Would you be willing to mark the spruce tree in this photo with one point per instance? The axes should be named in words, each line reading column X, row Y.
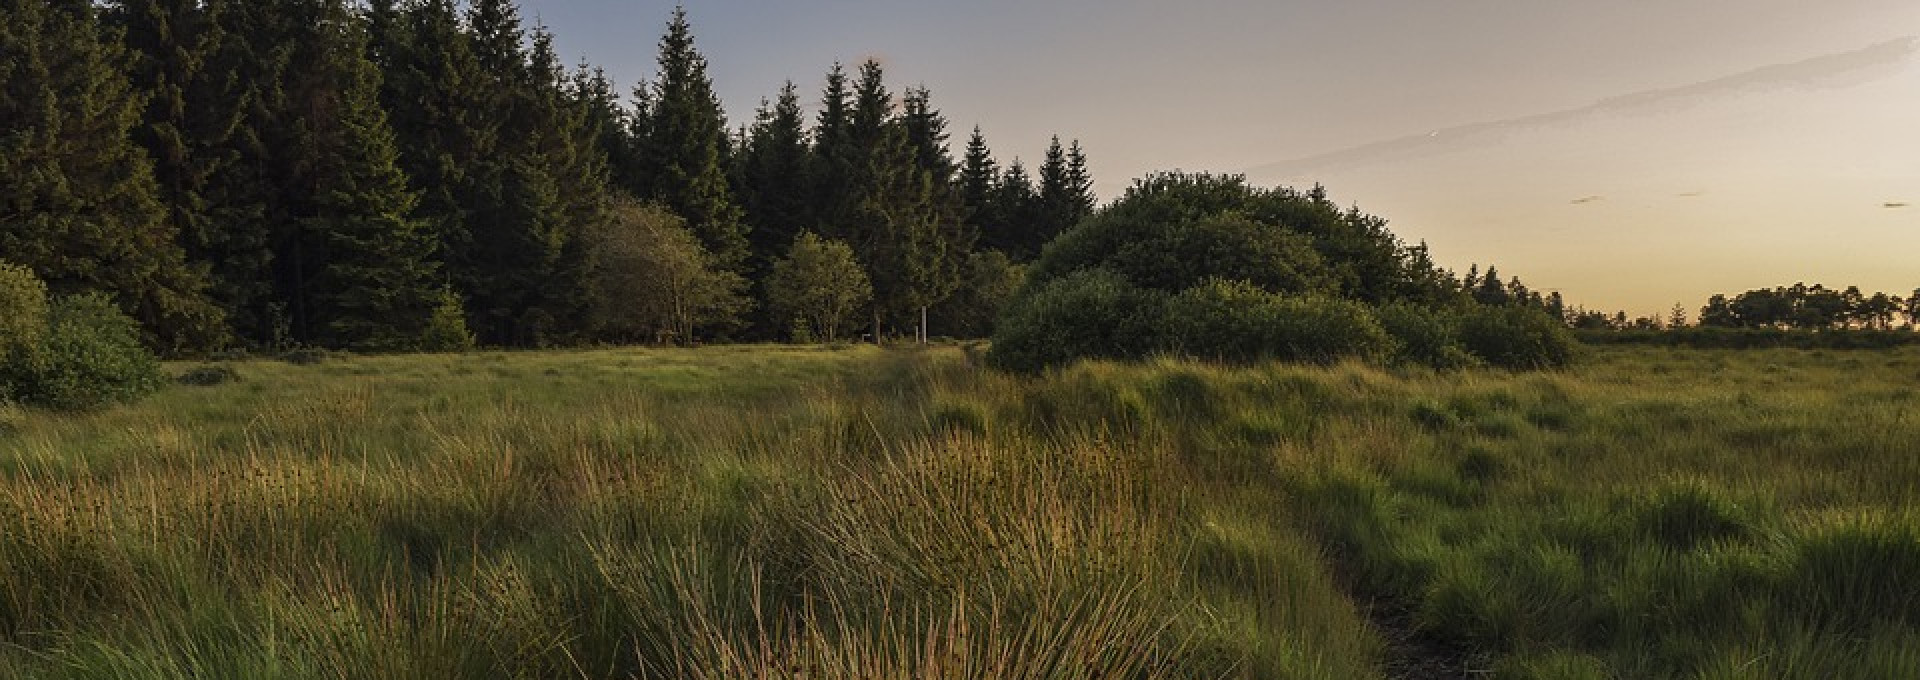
column 1066, row 194
column 774, row 177
column 249, row 71
column 377, row 285
column 979, row 175
column 77, row 196
column 437, row 101
column 686, row 142
column 1016, row 207
column 904, row 229
column 569, row 137
column 926, row 132
column 834, row 158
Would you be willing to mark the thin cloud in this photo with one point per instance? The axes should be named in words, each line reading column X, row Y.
column 1842, row 69
column 1588, row 199
column 1692, row 194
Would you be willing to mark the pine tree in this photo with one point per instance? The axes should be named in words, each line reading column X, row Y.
column 249, row 72
column 1492, row 291
column 774, row 177
column 77, row 196
column 1016, row 207
column 436, row 98
column 926, row 132
column 979, row 175
column 835, row 158
column 1066, row 194
column 904, row 230
column 686, row 141
column 378, row 285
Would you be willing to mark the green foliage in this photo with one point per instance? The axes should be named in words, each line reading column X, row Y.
column 1141, row 240
column 1094, row 314
column 686, row 140
column 90, row 356
column 818, row 288
column 446, row 330
column 77, row 196
column 1271, row 274
column 988, row 281
column 654, row 282
column 1516, row 337
column 774, row 169
column 23, row 313
column 1236, row 321
column 1425, row 336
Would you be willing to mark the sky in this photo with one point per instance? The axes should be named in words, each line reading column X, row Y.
column 1631, row 155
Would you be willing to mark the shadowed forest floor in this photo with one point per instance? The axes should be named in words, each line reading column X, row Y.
column 811, row 512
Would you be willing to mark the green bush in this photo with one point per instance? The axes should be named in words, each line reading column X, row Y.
column 1235, row 321
column 1516, row 337
column 23, row 320
column 447, row 330
column 1091, row 314
column 1426, row 336
column 89, row 356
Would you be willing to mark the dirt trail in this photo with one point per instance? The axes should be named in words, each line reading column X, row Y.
column 1415, row 655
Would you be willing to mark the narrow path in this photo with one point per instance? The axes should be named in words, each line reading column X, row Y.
column 1413, row 654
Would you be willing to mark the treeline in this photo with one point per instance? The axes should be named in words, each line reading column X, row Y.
column 1813, row 307
column 1798, row 316
column 424, row 174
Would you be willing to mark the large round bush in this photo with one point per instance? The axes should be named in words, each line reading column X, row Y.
column 1091, row 314
column 1207, row 266
column 1517, row 337
column 1237, row 321
column 89, row 356
column 1426, row 336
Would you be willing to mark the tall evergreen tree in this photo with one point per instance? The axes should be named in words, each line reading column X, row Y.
column 686, row 142
column 979, row 175
column 926, row 132
column 189, row 127
column 835, row 158
column 1016, row 211
column 903, row 229
column 77, row 196
column 379, row 284
column 433, row 92
column 1066, row 194
column 774, row 184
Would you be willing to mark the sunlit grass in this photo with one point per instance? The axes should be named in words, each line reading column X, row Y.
column 812, row 512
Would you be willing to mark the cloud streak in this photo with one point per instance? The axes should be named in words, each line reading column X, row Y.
column 1833, row 70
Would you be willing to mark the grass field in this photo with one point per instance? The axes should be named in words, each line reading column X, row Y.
column 865, row 513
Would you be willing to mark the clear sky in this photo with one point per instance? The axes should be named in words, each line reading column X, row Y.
column 1628, row 154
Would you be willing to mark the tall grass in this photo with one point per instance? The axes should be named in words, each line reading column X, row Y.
column 794, row 512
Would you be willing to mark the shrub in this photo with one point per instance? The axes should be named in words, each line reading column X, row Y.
column 1154, row 246
column 1516, row 337
column 90, row 356
column 1426, row 336
column 1235, row 321
column 23, row 320
column 1089, row 314
column 447, row 330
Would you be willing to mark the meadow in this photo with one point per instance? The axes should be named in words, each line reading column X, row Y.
column 856, row 512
